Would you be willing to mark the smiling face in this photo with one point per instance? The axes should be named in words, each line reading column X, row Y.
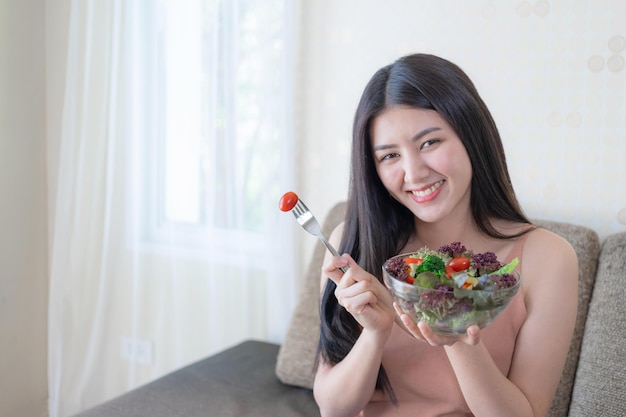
column 422, row 162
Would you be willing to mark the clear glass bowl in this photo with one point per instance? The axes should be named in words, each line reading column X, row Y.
column 450, row 311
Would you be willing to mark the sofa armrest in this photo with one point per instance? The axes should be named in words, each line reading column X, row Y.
column 239, row 381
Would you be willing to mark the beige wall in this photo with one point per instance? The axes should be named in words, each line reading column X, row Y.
column 23, row 283
column 552, row 72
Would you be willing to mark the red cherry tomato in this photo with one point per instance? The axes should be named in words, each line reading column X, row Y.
column 450, row 272
column 459, row 264
column 288, row 201
column 416, row 261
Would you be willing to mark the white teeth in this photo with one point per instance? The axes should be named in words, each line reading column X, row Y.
column 424, row 193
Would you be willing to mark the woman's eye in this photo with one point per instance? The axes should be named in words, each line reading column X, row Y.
column 428, row 143
column 388, row 156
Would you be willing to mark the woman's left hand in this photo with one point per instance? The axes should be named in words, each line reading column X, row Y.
column 422, row 331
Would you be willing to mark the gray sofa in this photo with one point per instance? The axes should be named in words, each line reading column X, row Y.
column 257, row 378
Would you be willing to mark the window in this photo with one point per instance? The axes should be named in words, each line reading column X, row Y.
column 216, row 133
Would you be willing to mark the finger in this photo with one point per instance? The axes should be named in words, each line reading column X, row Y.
column 407, row 323
column 398, row 310
column 355, row 274
column 347, row 263
column 405, row 319
column 473, row 335
column 358, row 303
column 430, row 336
column 349, row 287
column 332, row 268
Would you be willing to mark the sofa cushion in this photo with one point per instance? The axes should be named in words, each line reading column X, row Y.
column 600, row 385
column 296, row 357
column 586, row 243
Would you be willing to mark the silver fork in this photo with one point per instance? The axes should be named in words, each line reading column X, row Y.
column 307, row 220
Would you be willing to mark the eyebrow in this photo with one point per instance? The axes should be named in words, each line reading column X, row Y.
column 413, row 139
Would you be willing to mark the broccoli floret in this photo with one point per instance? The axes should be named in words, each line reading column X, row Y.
column 432, row 264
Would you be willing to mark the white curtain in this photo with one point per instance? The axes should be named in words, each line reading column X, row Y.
column 166, row 241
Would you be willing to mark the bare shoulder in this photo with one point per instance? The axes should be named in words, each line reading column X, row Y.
column 549, row 263
column 543, row 245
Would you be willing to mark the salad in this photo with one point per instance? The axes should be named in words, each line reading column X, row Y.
column 452, row 288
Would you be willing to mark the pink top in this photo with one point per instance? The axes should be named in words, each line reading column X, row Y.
column 421, row 375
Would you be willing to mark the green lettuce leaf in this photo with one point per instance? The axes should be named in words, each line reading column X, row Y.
column 507, row 269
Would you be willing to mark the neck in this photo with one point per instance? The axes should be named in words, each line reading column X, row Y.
column 437, row 234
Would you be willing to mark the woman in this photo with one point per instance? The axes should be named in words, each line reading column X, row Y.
column 428, row 169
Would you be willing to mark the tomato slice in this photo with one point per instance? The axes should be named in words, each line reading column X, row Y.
column 288, row 201
column 459, row 264
column 416, row 261
column 410, row 280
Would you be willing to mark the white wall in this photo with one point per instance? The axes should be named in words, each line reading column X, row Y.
column 552, row 72
column 23, row 282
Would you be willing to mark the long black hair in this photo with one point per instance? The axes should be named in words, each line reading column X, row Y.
column 376, row 226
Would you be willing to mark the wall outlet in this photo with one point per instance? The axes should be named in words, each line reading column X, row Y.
column 137, row 350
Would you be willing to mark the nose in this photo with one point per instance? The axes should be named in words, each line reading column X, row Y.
column 415, row 168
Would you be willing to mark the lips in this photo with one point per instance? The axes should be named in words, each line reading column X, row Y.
column 427, row 191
